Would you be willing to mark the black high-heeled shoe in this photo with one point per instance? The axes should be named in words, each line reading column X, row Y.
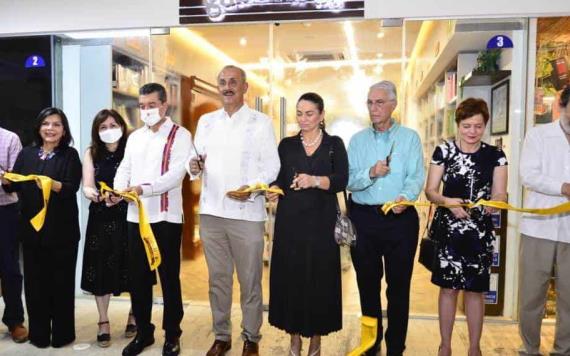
column 103, row 340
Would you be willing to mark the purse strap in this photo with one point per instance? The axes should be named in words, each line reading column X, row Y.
column 344, row 195
column 428, row 221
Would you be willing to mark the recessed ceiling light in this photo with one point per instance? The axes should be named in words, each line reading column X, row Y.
column 379, row 55
column 243, row 41
column 380, row 34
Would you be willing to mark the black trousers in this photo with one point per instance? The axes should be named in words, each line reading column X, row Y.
column 10, row 275
column 385, row 244
column 50, row 293
column 141, row 278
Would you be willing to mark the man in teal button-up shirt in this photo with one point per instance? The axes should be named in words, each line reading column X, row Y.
column 385, row 164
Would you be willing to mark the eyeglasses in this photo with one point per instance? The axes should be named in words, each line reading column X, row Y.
column 378, row 103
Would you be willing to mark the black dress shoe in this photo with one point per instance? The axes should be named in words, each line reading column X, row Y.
column 171, row 347
column 137, row 346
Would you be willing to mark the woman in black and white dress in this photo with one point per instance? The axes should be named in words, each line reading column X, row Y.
column 470, row 170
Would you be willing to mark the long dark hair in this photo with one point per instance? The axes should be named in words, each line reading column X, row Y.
column 66, row 139
column 97, row 146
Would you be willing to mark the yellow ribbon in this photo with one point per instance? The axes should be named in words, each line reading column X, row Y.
column 258, row 187
column 45, row 182
column 558, row 209
column 147, row 236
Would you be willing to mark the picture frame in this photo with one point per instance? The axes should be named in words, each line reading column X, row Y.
column 500, row 109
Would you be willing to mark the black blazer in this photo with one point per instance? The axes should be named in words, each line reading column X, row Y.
column 61, row 226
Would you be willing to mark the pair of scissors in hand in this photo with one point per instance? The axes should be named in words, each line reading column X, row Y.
column 389, row 157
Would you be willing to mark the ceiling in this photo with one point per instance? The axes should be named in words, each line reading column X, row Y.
column 320, row 56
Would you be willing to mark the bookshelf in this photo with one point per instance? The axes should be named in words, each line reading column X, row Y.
column 129, row 73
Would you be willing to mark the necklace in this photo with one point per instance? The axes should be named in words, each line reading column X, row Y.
column 310, row 144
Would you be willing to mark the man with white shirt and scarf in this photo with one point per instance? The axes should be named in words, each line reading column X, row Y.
column 235, row 148
column 154, row 167
column 545, row 240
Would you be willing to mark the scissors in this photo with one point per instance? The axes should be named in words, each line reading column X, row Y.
column 389, row 157
column 200, row 160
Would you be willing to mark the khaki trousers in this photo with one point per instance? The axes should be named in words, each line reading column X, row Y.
column 228, row 243
column 538, row 258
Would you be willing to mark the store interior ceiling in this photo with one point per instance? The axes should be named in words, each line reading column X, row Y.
column 338, row 59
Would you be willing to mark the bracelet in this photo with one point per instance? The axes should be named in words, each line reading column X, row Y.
column 317, row 182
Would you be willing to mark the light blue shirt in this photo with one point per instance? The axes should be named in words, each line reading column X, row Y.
column 406, row 176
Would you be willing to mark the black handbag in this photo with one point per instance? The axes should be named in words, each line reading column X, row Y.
column 428, row 246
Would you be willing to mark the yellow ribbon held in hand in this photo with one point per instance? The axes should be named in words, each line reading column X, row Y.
column 147, row 236
column 255, row 188
column 558, row 209
column 45, row 182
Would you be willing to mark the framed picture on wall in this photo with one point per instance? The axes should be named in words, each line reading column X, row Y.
column 500, row 109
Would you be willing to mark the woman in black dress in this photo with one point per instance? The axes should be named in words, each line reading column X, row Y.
column 104, row 255
column 50, row 254
column 305, row 281
column 470, row 170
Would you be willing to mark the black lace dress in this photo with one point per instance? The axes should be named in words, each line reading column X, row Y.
column 105, row 252
column 465, row 246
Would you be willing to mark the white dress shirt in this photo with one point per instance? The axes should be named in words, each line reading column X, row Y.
column 239, row 150
column 158, row 168
column 545, row 166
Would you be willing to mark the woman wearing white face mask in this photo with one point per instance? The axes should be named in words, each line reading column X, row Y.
column 104, row 260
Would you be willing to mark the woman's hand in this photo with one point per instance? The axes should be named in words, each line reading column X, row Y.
column 459, row 212
column 92, row 194
column 303, row 181
column 272, row 197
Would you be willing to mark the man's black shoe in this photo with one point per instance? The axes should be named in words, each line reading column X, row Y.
column 137, row 346
column 171, row 347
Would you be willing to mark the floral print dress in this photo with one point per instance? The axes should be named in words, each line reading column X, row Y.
column 464, row 246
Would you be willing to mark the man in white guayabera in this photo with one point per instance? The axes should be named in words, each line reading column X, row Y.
column 235, row 147
column 545, row 240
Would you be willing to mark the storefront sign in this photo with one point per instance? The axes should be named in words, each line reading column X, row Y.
column 500, row 41
column 35, row 61
column 212, row 11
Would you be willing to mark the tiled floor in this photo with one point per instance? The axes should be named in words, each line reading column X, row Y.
column 499, row 337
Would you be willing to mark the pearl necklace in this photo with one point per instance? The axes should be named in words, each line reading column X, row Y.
column 310, row 144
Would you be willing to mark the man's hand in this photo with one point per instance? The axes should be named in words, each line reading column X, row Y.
column 240, row 197
column 197, row 164
column 380, row 169
column 272, row 197
column 2, row 179
column 400, row 208
column 566, row 190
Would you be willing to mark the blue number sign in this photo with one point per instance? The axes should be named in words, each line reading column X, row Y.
column 35, row 61
column 500, row 41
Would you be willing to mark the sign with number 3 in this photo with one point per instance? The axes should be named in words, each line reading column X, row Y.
column 500, row 41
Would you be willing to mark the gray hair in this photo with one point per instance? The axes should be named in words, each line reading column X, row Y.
column 388, row 87
column 231, row 66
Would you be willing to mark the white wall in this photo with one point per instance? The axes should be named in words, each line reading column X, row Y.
column 457, row 9
column 34, row 16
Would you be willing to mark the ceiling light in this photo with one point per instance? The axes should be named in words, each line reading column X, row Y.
column 243, row 41
column 380, row 35
column 143, row 32
column 379, row 55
